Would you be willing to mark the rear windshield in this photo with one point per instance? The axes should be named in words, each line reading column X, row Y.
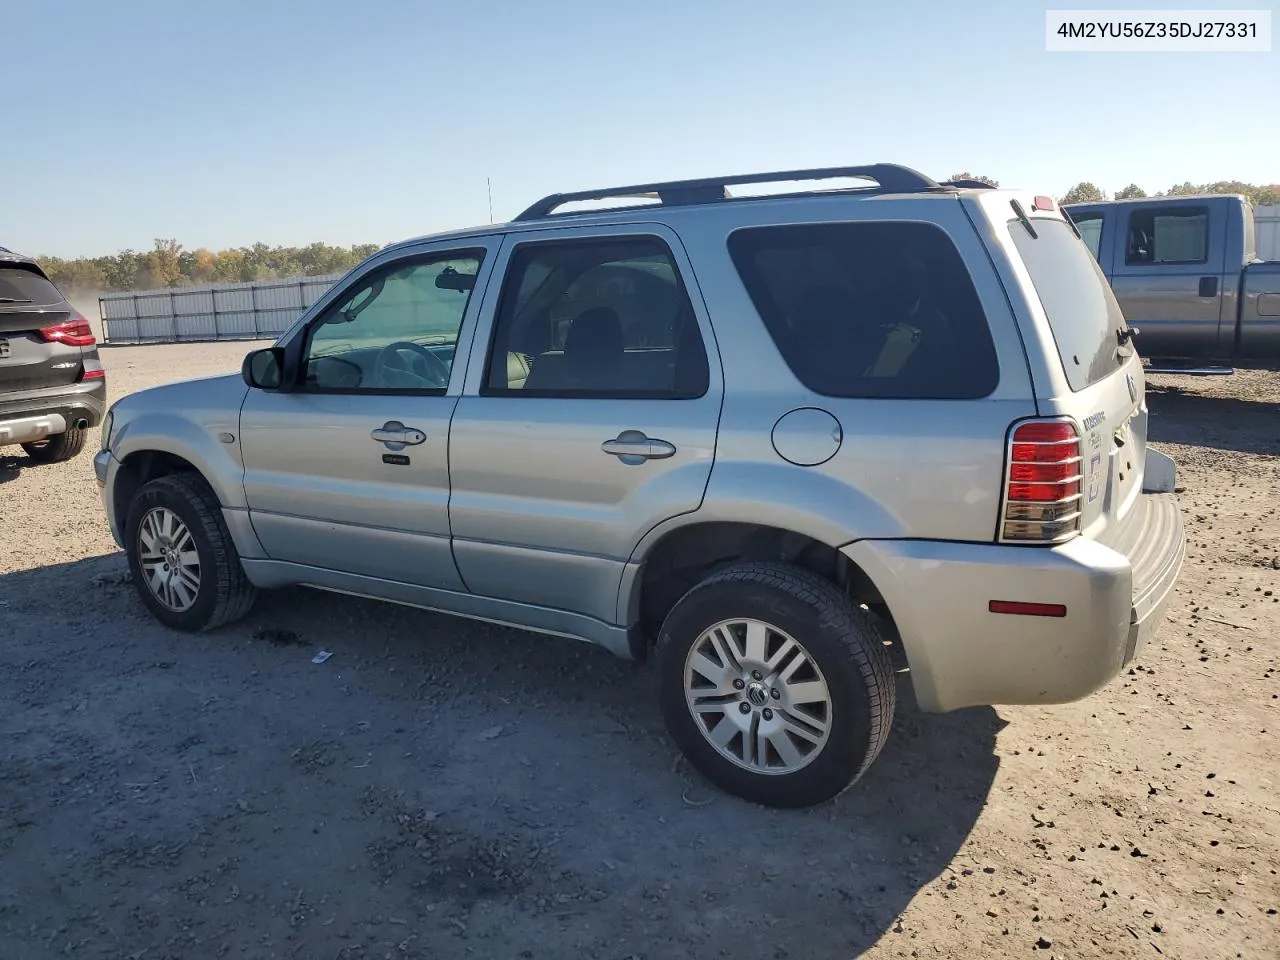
column 18, row 285
column 874, row 309
column 1082, row 310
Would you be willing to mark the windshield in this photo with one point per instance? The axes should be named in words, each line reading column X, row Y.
column 1086, row 320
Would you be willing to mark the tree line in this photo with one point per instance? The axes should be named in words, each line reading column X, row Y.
column 171, row 265
column 1260, row 194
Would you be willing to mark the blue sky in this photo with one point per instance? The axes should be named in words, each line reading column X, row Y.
column 230, row 122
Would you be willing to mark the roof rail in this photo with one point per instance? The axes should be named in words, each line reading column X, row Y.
column 890, row 177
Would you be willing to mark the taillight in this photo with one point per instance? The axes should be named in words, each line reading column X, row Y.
column 1042, row 495
column 76, row 332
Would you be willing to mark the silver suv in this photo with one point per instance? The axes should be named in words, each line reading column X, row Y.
column 766, row 436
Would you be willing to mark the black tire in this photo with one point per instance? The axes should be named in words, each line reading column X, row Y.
column 59, row 447
column 225, row 593
column 841, row 638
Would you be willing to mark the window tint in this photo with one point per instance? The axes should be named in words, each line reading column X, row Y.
column 19, row 285
column 596, row 317
column 1090, row 227
column 1179, row 235
column 1076, row 297
column 394, row 329
column 870, row 309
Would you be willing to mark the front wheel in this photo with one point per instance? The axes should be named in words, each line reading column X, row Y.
column 775, row 686
column 184, row 563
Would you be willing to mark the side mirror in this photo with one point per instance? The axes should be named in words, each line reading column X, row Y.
column 264, row 369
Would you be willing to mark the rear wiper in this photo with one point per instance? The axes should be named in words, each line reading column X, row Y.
column 1125, row 334
column 1024, row 219
column 14, row 300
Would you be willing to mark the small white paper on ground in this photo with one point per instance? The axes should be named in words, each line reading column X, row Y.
column 321, row 657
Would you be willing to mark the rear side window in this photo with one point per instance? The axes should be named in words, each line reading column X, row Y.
column 18, row 285
column 870, row 309
column 1178, row 235
column 1076, row 297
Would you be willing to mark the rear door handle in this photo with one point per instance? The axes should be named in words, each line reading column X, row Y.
column 632, row 446
column 397, row 436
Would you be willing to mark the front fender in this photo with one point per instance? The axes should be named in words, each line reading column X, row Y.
column 198, row 421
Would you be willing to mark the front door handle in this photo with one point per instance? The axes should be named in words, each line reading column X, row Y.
column 1208, row 286
column 397, row 436
column 632, row 446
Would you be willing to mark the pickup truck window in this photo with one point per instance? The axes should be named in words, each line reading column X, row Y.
column 1168, row 235
column 1082, row 311
column 1090, row 227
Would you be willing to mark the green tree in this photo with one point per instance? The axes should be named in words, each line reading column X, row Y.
column 122, row 270
column 163, row 264
column 1083, row 191
column 974, row 176
column 1130, row 192
column 1261, row 194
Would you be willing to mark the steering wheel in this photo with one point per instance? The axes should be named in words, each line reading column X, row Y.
column 390, row 360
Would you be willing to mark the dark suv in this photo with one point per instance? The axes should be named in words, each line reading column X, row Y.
column 52, row 385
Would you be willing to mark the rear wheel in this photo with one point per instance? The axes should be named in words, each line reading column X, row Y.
column 184, row 563
column 56, row 449
column 775, row 686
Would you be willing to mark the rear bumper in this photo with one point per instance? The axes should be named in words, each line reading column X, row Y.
column 1115, row 591
column 31, row 429
column 36, row 415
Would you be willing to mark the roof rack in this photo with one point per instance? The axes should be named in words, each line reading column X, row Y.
column 890, row 177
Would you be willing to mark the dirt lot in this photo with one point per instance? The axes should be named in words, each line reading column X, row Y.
column 447, row 789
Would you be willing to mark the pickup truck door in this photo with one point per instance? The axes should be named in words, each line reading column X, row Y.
column 1168, row 274
column 348, row 471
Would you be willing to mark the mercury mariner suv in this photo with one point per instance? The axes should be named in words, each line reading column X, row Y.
column 764, row 437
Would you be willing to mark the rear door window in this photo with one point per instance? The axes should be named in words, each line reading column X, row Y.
column 19, row 285
column 1164, row 235
column 596, row 317
column 1082, row 310
column 875, row 309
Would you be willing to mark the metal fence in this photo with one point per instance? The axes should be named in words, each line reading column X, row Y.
column 225, row 311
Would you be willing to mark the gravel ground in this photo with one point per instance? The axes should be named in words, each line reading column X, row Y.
column 445, row 789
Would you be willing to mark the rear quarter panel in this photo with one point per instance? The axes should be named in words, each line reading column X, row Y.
column 1114, row 403
column 903, row 468
column 1260, row 311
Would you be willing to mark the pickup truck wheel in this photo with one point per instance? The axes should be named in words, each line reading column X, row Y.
column 59, row 447
column 184, row 563
column 775, row 686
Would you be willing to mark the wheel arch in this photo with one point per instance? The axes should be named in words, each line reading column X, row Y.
column 686, row 553
column 145, row 455
column 140, row 468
